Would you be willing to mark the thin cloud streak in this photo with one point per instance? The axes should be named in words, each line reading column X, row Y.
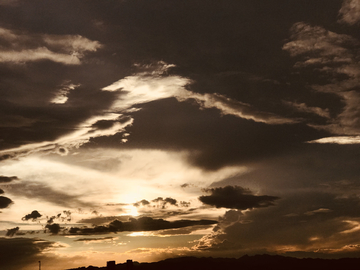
column 72, row 48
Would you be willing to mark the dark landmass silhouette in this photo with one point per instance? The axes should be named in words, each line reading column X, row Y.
column 256, row 262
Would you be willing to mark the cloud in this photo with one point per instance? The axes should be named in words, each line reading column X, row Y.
column 206, row 108
column 320, row 210
column 141, row 203
column 36, row 55
column 201, row 134
column 350, row 12
column 331, row 56
column 153, row 85
column 85, row 132
column 7, row 179
column 236, row 197
column 196, row 229
column 64, row 216
column 183, row 68
column 53, row 228
column 33, row 215
column 140, row 224
column 20, row 253
column 43, row 192
column 326, row 44
column 302, row 107
column 62, row 95
column 228, row 106
column 338, row 140
column 96, row 240
column 309, row 216
column 160, row 202
column 12, row 232
column 17, row 247
column 103, row 219
column 5, row 202
column 64, row 49
column 161, row 207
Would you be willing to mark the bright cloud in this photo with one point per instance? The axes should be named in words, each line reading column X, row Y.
column 85, row 131
column 61, row 96
column 339, row 140
column 64, row 49
column 83, row 182
column 149, row 86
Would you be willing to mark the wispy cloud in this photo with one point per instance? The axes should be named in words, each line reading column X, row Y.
column 334, row 56
column 151, row 85
column 350, row 12
column 64, row 49
column 83, row 133
column 302, row 107
column 339, row 140
column 45, row 193
column 62, row 95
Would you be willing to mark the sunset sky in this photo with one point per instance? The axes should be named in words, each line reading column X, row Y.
column 151, row 129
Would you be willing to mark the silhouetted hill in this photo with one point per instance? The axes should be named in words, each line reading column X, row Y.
column 257, row 262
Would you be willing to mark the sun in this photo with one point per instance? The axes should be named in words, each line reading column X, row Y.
column 132, row 211
column 129, row 208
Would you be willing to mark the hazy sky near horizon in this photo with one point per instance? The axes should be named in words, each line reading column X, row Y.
column 151, row 129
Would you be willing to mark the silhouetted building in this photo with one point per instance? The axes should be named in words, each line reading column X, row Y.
column 129, row 264
column 110, row 265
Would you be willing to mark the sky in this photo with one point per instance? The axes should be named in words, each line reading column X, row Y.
column 152, row 129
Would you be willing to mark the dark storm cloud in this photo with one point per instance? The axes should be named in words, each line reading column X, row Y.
column 7, row 179
column 330, row 168
column 50, row 121
column 12, row 232
column 140, row 224
column 5, row 202
column 236, row 197
column 43, row 192
column 236, row 63
column 247, row 78
column 214, row 140
column 33, row 215
column 17, row 253
column 42, row 92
